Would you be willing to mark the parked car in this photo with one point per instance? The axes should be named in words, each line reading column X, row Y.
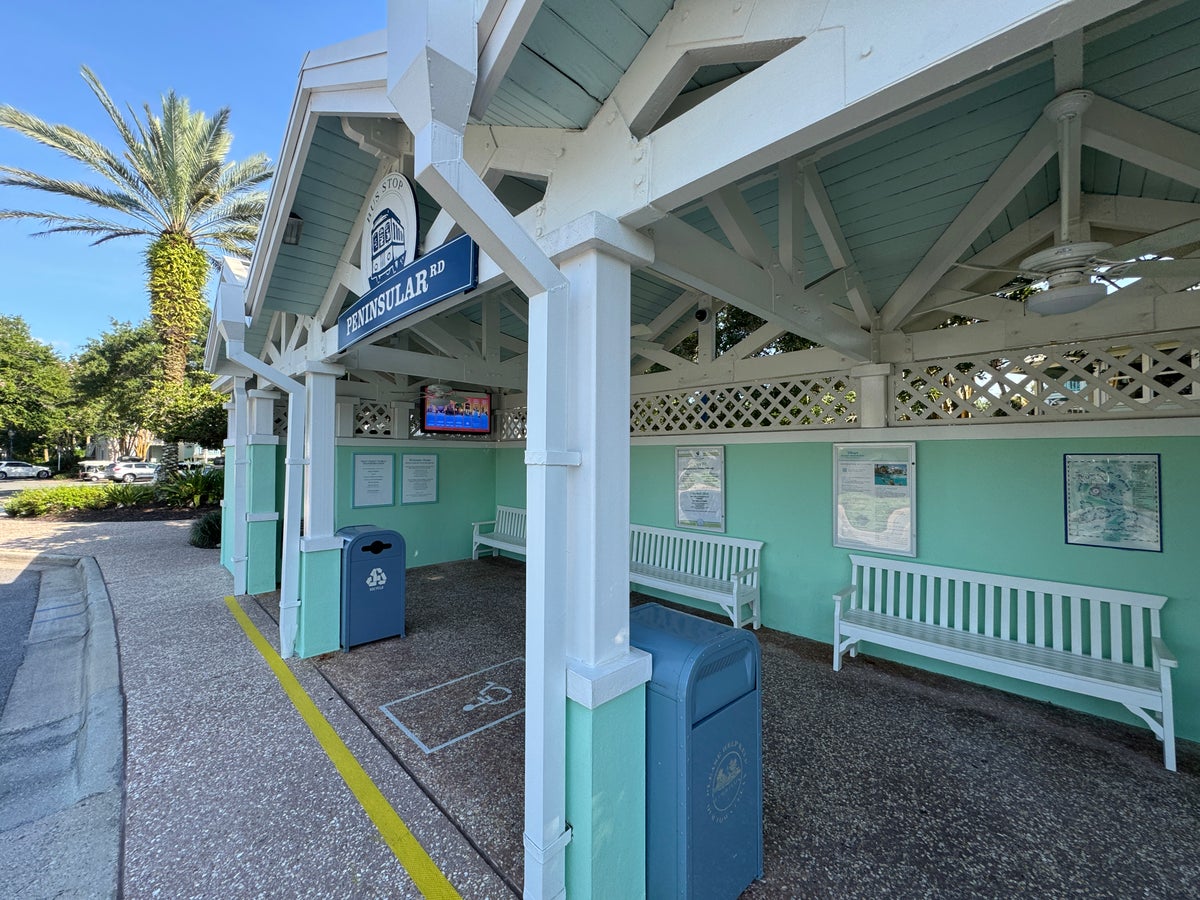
column 12, row 468
column 130, row 471
column 93, row 469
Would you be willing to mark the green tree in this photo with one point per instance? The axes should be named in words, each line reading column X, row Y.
column 113, row 378
column 170, row 182
column 34, row 390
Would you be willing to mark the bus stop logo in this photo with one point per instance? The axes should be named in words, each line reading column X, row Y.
column 377, row 579
column 726, row 780
column 390, row 231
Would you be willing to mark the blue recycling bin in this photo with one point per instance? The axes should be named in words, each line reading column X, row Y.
column 373, row 570
column 703, row 755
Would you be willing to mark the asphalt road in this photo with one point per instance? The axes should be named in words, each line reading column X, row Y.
column 18, row 597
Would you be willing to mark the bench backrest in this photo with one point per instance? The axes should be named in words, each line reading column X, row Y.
column 1103, row 623
column 510, row 520
column 706, row 555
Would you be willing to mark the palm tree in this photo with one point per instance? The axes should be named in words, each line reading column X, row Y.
column 170, row 183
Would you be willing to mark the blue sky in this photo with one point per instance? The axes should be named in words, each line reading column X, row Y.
column 245, row 55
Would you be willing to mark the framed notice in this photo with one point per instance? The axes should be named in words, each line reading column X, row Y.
column 1113, row 500
column 874, row 497
column 374, row 483
column 700, row 488
column 419, row 478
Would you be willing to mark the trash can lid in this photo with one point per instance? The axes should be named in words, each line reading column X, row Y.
column 680, row 643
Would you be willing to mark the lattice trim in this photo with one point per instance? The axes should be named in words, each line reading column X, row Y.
column 787, row 405
column 1142, row 378
column 372, row 419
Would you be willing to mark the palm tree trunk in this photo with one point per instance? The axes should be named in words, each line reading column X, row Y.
column 178, row 272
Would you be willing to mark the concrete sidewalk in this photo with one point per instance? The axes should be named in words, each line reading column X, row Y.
column 226, row 793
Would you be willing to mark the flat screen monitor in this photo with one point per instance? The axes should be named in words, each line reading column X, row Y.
column 458, row 414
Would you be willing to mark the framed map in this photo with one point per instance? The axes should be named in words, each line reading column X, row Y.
column 1113, row 500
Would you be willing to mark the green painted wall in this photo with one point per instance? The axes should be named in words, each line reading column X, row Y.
column 991, row 505
column 433, row 532
column 320, row 626
column 606, row 798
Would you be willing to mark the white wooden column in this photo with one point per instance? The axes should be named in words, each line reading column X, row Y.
column 596, row 254
column 320, row 451
column 873, row 399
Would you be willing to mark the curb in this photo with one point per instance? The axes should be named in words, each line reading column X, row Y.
column 62, row 735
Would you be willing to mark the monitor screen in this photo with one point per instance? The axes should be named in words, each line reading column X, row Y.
column 458, row 414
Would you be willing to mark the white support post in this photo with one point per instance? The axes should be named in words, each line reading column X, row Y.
column 873, row 398
column 597, row 418
column 343, row 417
column 320, row 451
column 241, row 465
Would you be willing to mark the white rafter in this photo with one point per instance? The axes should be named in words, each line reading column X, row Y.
column 1032, row 152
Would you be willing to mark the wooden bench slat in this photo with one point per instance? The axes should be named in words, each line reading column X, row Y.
column 713, row 568
column 1102, row 642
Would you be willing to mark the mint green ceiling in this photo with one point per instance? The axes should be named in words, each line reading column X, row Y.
column 894, row 191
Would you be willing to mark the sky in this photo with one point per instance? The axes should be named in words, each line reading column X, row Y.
column 245, row 55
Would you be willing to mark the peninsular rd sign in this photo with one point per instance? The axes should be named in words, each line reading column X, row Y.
column 399, row 285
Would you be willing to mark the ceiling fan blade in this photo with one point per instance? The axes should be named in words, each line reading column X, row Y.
column 1007, row 270
column 1163, row 268
column 1159, row 242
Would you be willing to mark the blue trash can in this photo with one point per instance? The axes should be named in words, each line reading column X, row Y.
column 373, row 570
column 703, row 755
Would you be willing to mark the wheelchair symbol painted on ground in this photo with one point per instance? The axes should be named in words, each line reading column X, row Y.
column 492, row 694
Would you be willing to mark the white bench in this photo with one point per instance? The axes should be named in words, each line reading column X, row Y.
column 505, row 532
column 709, row 567
column 1101, row 642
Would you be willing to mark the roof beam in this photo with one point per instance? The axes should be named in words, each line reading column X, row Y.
column 688, row 256
column 1032, row 152
column 846, row 88
column 425, row 365
column 501, row 29
column 829, row 230
column 1143, row 140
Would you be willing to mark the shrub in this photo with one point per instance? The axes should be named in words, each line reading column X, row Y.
column 120, row 495
column 45, row 501
column 206, row 531
column 194, row 488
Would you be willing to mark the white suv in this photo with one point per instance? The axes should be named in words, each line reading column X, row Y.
column 130, row 471
column 11, row 468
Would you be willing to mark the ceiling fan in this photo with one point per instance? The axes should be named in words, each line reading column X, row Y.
column 1078, row 274
column 439, row 392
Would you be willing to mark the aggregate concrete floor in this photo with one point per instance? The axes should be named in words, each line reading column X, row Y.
column 880, row 780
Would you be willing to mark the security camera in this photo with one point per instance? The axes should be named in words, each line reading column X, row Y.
column 702, row 315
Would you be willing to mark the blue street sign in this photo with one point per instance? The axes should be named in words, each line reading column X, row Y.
column 441, row 273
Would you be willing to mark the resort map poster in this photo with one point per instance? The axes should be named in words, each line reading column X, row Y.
column 700, row 488
column 1113, row 500
column 874, row 491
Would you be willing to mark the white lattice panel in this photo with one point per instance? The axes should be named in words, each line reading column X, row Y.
column 812, row 401
column 372, row 420
column 1147, row 377
column 279, row 421
column 511, row 424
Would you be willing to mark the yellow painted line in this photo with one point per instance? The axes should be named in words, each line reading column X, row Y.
column 424, row 872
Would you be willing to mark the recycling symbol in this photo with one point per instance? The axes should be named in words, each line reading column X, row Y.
column 377, row 578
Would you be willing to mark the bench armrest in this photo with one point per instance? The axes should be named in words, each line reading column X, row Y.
column 1165, row 657
column 737, row 576
column 475, row 525
column 850, row 592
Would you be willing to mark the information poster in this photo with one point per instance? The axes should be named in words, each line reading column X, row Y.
column 874, row 487
column 700, row 488
column 1113, row 500
column 373, row 479
column 419, row 478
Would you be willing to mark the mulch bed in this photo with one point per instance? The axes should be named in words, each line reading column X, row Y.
column 124, row 514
